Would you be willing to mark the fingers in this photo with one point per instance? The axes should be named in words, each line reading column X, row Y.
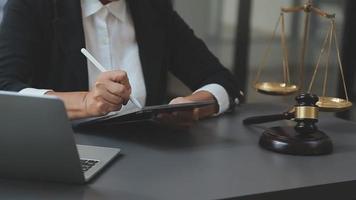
column 118, row 76
column 96, row 105
column 203, row 112
column 115, row 82
column 180, row 100
column 104, row 101
column 183, row 119
column 112, row 90
column 186, row 116
column 102, row 92
column 103, row 107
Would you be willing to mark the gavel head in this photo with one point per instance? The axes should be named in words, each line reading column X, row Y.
column 306, row 113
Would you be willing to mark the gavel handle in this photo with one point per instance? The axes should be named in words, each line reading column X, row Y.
column 267, row 118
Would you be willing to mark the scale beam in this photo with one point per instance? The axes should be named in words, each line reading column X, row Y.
column 308, row 8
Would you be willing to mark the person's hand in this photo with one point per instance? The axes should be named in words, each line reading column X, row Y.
column 180, row 119
column 112, row 90
column 186, row 119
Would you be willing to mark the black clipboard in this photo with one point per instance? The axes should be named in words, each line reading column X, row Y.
column 145, row 114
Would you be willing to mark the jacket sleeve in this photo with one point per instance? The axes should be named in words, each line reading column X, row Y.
column 19, row 44
column 192, row 62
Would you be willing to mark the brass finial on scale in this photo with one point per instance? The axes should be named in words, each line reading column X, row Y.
column 304, row 138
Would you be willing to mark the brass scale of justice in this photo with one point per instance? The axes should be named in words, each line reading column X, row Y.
column 305, row 138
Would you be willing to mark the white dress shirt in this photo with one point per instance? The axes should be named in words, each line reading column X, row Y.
column 110, row 38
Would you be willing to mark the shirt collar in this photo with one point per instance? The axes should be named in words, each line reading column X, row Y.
column 90, row 7
column 116, row 8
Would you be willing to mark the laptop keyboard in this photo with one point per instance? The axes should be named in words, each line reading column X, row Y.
column 87, row 164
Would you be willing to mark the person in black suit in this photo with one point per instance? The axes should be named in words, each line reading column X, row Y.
column 40, row 42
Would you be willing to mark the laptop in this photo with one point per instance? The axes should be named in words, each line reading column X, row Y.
column 37, row 142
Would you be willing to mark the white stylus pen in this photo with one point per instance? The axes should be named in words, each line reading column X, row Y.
column 102, row 69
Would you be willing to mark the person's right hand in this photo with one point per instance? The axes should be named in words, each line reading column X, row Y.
column 112, row 90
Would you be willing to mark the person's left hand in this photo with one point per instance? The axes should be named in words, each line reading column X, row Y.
column 180, row 119
column 186, row 119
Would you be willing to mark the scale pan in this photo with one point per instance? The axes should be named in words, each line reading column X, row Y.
column 332, row 104
column 273, row 88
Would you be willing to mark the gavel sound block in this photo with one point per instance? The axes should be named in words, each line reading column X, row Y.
column 303, row 139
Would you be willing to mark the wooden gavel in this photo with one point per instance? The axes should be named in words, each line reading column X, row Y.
column 305, row 113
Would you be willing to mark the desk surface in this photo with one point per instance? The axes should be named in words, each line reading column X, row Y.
column 219, row 158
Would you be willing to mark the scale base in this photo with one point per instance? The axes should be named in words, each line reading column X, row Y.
column 287, row 140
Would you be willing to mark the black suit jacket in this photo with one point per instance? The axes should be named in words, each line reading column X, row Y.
column 40, row 42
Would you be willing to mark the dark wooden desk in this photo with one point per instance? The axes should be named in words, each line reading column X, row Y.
column 219, row 158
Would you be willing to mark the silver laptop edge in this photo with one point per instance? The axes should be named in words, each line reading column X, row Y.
column 37, row 142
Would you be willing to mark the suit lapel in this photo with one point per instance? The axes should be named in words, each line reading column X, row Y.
column 150, row 38
column 68, row 31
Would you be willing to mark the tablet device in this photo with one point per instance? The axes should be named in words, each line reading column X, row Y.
column 148, row 113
